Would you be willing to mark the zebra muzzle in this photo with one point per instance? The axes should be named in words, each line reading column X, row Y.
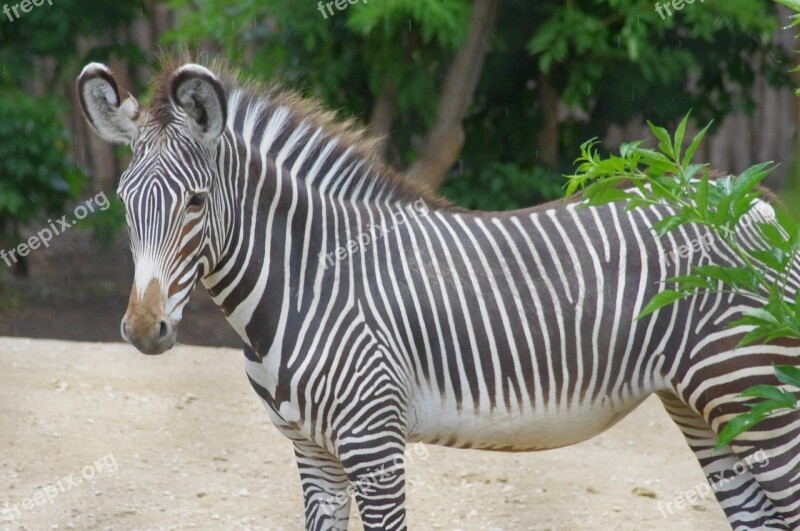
column 145, row 324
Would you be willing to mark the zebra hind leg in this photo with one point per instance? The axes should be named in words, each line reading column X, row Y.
column 325, row 488
column 772, row 449
column 734, row 485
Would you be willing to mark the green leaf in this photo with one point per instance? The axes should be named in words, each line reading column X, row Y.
column 663, row 138
column 701, row 197
column 772, row 258
column 736, row 426
column 797, row 305
column 794, row 5
column 692, row 169
column 636, row 202
column 742, row 204
column 608, row 195
column 738, row 277
column 659, row 301
column 572, row 187
column 627, row 149
column 748, row 179
column 687, row 156
column 667, row 223
column 678, row 140
column 753, row 175
column 687, row 283
column 767, row 407
column 757, row 334
column 762, row 314
column 773, row 235
column 723, row 216
column 788, row 224
column 650, row 157
column 788, row 374
column 776, row 396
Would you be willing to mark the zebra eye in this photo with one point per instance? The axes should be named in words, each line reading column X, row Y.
column 198, row 199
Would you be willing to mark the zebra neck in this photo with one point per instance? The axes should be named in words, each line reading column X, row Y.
column 292, row 194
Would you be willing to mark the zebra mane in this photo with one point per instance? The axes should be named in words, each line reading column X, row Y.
column 258, row 101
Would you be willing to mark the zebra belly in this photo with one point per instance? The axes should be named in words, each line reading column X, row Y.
column 522, row 431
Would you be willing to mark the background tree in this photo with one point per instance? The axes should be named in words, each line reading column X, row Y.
column 40, row 52
column 481, row 99
column 555, row 73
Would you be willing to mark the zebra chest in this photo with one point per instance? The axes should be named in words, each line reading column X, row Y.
column 284, row 411
column 289, row 409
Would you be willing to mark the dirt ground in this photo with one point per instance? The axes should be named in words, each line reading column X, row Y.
column 181, row 441
column 97, row 436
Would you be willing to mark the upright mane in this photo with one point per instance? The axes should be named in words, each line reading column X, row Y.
column 257, row 102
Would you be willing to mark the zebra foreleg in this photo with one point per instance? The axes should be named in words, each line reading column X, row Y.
column 325, row 488
column 732, row 481
column 378, row 482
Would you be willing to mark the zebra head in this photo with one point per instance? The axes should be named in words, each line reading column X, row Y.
column 168, row 189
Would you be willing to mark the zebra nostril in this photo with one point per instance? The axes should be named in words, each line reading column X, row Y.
column 163, row 330
column 123, row 330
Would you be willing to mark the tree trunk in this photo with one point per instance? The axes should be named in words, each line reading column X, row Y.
column 383, row 113
column 547, row 141
column 443, row 143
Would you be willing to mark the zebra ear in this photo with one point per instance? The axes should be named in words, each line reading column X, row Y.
column 112, row 118
column 200, row 95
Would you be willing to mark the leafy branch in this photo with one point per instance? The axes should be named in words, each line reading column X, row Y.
column 667, row 176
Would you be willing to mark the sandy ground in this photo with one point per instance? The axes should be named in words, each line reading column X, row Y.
column 97, row 436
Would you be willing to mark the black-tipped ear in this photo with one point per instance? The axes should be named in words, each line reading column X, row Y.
column 198, row 92
column 113, row 119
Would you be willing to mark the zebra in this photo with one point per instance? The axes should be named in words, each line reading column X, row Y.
column 506, row 331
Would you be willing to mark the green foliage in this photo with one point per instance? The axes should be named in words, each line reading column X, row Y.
column 503, row 186
column 53, row 32
column 39, row 54
column 345, row 59
column 443, row 24
column 36, row 173
column 590, row 49
column 595, row 49
column 349, row 58
column 667, row 176
column 773, row 400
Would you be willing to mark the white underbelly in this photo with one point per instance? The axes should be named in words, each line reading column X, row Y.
column 439, row 422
